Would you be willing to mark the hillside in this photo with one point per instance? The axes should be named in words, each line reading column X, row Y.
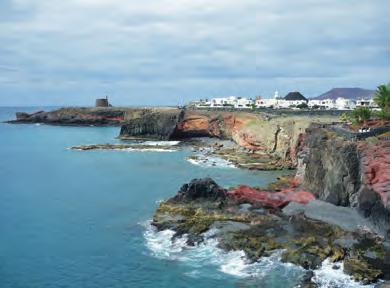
column 349, row 93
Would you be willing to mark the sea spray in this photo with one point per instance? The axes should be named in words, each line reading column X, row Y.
column 267, row 270
column 208, row 254
column 332, row 275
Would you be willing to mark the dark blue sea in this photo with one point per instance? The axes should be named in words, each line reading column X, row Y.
column 80, row 218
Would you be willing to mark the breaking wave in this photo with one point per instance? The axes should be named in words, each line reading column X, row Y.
column 146, row 150
column 210, row 161
column 206, row 254
column 332, row 275
column 161, row 143
column 235, row 263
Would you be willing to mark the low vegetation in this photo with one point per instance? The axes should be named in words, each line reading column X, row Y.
column 363, row 114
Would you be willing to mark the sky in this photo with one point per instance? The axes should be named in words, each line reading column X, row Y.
column 160, row 52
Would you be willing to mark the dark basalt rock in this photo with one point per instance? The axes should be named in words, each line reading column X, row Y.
column 74, row 116
column 332, row 168
column 203, row 189
column 347, row 173
column 22, row 116
column 202, row 205
column 156, row 125
column 306, row 281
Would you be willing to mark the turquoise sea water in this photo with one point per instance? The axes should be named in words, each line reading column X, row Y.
column 79, row 218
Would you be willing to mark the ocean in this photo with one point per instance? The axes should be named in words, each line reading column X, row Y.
column 81, row 218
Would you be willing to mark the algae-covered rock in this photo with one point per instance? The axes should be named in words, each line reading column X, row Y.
column 192, row 220
column 361, row 271
column 202, row 205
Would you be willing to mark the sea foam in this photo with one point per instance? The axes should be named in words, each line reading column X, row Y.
column 328, row 277
column 235, row 263
column 161, row 143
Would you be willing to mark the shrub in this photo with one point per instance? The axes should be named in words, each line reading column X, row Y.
column 361, row 114
column 302, row 106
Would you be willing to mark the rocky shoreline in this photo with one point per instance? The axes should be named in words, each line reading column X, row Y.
column 335, row 207
column 268, row 225
column 129, row 147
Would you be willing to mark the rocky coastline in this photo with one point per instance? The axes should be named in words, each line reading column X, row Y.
column 268, row 224
column 335, row 207
column 87, row 116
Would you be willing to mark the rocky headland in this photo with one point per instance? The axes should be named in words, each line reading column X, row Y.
column 85, row 116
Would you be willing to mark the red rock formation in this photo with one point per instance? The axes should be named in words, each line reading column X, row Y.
column 222, row 124
column 375, row 165
column 270, row 199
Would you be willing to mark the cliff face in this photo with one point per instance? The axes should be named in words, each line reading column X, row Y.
column 279, row 136
column 346, row 173
column 206, row 124
column 331, row 168
column 374, row 193
column 154, row 124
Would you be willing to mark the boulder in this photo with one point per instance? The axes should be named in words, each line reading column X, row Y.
column 200, row 189
column 246, row 194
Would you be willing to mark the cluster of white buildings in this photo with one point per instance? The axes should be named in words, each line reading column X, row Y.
column 226, row 102
column 293, row 100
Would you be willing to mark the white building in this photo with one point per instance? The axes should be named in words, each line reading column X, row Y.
column 243, row 103
column 344, row 104
column 326, row 104
column 268, row 102
column 366, row 103
column 331, row 104
column 291, row 100
column 226, row 102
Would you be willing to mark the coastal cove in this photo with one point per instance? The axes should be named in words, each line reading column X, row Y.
column 79, row 218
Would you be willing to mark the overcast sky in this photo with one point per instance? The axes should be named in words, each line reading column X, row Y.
column 68, row 52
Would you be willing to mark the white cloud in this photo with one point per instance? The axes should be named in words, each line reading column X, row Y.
column 165, row 48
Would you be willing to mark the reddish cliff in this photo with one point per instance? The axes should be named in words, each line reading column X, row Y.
column 375, row 165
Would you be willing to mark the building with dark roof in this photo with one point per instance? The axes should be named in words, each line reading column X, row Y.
column 295, row 96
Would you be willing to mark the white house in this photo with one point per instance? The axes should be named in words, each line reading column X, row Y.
column 292, row 99
column 231, row 101
column 344, row 104
column 223, row 102
column 329, row 104
column 366, row 103
column 242, row 102
column 323, row 103
column 268, row 102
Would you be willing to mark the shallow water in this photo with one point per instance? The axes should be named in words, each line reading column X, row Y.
column 79, row 218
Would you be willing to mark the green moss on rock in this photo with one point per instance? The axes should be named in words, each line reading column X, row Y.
column 360, row 270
